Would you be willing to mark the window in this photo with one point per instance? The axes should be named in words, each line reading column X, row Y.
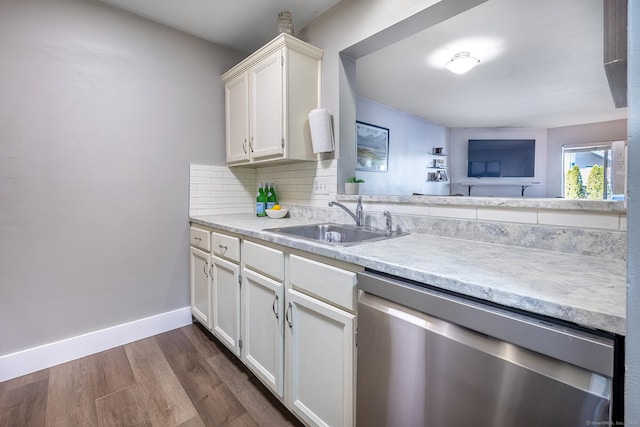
column 587, row 171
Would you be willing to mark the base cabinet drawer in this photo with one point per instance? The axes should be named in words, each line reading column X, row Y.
column 225, row 246
column 326, row 282
column 199, row 238
column 263, row 259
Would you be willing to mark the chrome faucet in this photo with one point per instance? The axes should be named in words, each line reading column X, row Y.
column 358, row 217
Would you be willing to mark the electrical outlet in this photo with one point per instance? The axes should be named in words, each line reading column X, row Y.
column 321, row 185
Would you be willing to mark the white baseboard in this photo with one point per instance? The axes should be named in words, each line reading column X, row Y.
column 48, row 355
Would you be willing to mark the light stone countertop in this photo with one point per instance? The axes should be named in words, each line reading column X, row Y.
column 584, row 290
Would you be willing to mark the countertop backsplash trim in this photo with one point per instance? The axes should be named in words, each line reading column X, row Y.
column 597, row 229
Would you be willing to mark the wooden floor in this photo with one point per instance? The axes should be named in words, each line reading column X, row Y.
column 180, row 378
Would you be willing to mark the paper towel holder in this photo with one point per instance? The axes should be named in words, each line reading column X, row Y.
column 321, row 129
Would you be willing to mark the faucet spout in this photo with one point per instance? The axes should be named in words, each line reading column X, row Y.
column 358, row 217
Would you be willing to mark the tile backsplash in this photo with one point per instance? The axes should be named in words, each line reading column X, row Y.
column 294, row 182
column 219, row 190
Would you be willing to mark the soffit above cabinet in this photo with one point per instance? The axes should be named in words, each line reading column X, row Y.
column 243, row 25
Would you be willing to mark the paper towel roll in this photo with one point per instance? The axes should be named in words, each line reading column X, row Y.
column 321, row 130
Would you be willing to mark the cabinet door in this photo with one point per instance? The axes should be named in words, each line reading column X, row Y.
column 237, row 119
column 262, row 328
column 200, row 286
column 266, row 107
column 225, row 303
column 319, row 361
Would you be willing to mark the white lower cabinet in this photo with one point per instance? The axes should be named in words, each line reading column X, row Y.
column 225, row 302
column 320, row 361
column 262, row 329
column 291, row 318
column 200, row 286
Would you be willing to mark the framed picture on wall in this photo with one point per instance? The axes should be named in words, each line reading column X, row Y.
column 372, row 147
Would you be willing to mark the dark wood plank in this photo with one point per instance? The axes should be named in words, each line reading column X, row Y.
column 193, row 422
column 23, row 380
column 215, row 403
column 24, row 405
column 74, row 386
column 122, row 408
column 259, row 402
column 71, row 399
column 164, row 398
column 202, row 340
column 111, row 372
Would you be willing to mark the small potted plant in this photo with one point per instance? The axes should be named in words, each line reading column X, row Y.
column 352, row 186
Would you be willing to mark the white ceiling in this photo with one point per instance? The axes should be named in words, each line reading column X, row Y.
column 541, row 61
column 541, row 65
column 244, row 25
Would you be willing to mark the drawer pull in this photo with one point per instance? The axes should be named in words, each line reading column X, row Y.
column 274, row 307
column 286, row 316
column 223, row 249
column 197, row 240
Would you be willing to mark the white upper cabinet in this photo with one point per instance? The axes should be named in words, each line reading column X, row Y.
column 268, row 97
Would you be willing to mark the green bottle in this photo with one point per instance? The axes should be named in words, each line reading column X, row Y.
column 272, row 200
column 261, row 202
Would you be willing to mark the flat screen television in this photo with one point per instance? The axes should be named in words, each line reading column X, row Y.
column 501, row 158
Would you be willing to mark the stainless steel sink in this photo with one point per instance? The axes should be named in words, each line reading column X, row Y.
column 335, row 234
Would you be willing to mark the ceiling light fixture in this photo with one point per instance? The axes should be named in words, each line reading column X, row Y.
column 462, row 62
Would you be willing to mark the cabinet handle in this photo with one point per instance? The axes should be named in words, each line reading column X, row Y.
column 223, row 249
column 211, row 270
column 244, row 146
column 286, row 316
column 251, row 144
column 206, row 264
column 275, row 308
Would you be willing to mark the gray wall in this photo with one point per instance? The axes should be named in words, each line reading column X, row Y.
column 101, row 113
column 557, row 137
column 632, row 401
column 410, row 140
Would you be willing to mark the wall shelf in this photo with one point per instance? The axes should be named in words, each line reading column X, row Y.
column 499, row 183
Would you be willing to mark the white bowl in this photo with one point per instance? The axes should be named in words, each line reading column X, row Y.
column 276, row 214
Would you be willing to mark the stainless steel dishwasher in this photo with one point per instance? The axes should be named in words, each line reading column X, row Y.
column 427, row 358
